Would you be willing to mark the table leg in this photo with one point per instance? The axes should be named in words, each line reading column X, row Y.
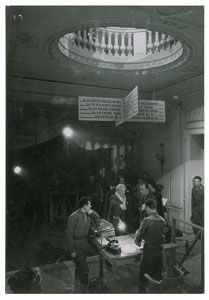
column 114, row 274
column 101, row 267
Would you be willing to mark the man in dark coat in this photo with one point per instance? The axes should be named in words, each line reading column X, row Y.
column 159, row 202
column 108, row 195
column 144, row 194
column 152, row 231
column 197, row 203
column 78, row 226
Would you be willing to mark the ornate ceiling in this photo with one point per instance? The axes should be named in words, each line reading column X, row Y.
column 33, row 30
column 37, row 73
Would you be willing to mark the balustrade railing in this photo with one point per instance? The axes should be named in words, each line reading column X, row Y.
column 119, row 43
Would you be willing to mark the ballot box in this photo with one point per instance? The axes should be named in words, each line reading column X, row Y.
column 105, row 230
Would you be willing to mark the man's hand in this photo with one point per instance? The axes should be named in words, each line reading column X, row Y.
column 123, row 206
column 73, row 254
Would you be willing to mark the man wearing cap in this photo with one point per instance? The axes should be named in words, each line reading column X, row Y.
column 152, row 231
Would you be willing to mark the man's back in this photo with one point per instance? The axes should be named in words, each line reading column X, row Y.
column 152, row 230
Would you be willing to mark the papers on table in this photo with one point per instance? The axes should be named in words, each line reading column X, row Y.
column 129, row 248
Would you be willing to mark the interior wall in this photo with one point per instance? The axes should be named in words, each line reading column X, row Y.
column 183, row 138
column 164, row 167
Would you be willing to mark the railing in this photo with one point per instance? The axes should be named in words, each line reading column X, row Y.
column 119, row 42
column 199, row 234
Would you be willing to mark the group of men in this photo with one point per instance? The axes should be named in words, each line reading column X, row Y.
column 151, row 229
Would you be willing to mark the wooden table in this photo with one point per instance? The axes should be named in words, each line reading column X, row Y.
column 130, row 253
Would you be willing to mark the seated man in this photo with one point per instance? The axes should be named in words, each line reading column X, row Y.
column 152, row 231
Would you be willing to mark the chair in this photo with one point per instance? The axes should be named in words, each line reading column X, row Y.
column 166, row 285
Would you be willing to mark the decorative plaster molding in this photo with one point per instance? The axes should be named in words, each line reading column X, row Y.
column 195, row 125
column 28, row 39
column 50, row 88
column 136, row 18
column 156, row 66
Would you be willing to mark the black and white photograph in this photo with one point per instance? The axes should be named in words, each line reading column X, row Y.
column 104, row 148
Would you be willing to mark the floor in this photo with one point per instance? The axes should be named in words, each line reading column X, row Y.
column 44, row 250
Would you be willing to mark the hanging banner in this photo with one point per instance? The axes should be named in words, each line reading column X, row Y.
column 99, row 109
column 150, row 111
column 121, row 119
column 131, row 104
column 120, row 110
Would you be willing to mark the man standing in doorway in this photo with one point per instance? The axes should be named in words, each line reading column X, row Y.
column 78, row 226
column 197, row 203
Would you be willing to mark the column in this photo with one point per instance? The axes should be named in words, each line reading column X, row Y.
column 91, row 43
column 116, row 45
column 103, row 45
column 85, row 41
column 122, row 46
column 157, row 43
column 162, row 42
column 150, row 44
column 97, row 44
column 129, row 47
column 78, row 38
column 168, row 40
column 109, row 43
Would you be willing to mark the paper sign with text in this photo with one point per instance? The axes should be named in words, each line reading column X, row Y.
column 100, row 109
column 122, row 116
column 131, row 104
column 150, row 111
